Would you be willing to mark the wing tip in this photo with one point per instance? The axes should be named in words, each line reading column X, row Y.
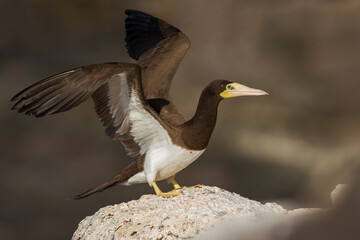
column 15, row 98
column 19, row 95
column 20, row 108
column 144, row 31
column 130, row 12
column 14, row 107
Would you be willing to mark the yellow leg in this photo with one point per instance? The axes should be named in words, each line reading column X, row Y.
column 174, row 183
column 160, row 193
column 177, row 186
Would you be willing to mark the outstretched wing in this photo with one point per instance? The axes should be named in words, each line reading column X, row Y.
column 158, row 48
column 117, row 93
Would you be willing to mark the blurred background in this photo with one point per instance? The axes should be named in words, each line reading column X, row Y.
column 292, row 147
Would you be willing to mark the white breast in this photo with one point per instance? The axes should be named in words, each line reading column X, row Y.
column 164, row 162
column 163, row 159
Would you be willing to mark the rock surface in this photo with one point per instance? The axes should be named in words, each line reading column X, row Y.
column 303, row 223
column 185, row 216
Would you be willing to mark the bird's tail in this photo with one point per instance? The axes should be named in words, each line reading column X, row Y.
column 99, row 188
column 124, row 175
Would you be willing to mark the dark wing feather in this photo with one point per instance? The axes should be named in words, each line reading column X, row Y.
column 158, row 47
column 63, row 91
column 112, row 106
column 110, row 86
column 144, row 31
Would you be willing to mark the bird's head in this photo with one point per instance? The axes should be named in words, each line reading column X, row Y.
column 227, row 89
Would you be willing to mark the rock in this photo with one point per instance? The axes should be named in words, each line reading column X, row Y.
column 338, row 193
column 338, row 222
column 303, row 211
column 185, row 216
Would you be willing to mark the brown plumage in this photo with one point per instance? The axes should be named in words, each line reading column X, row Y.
column 158, row 48
column 130, row 170
column 132, row 101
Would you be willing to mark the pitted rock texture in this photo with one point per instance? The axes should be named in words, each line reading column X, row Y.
column 182, row 217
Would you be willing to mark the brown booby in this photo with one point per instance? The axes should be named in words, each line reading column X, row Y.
column 133, row 103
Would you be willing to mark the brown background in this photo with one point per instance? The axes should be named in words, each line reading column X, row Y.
column 291, row 146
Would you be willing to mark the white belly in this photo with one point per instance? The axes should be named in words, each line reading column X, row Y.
column 162, row 158
column 163, row 162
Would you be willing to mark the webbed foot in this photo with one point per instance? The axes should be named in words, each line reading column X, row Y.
column 162, row 194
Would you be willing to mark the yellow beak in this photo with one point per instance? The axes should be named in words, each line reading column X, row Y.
column 237, row 90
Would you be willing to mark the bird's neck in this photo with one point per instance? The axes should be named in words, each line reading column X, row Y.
column 198, row 130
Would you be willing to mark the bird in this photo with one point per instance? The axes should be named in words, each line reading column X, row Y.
column 133, row 103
